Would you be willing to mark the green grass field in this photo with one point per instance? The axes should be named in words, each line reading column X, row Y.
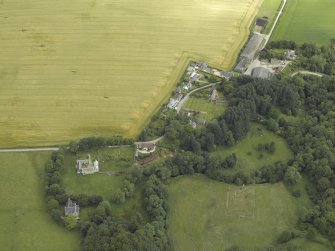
column 70, row 69
column 307, row 21
column 25, row 224
column 248, row 158
column 115, row 160
column 209, row 215
column 269, row 9
column 207, row 109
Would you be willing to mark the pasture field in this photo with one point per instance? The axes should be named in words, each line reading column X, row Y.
column 70, row 69
column 207, row 109
column 248, row 158
column 269, row 9
column 25, row 224
column 307, row 21
column 256, row 215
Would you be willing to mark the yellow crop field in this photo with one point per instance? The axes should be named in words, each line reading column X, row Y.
column 70, row 69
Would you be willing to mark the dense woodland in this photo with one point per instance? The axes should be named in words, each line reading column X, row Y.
column 300, row 109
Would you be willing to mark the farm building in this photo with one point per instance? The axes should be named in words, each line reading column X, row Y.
column 194, row 76
column 204, row 67
column 193, row 124
column 250, row 51
column 261, row 72
column 146, row 147
column 86, row 166
column 261, row 22
column 214, row 96
column 201, row 122
column 290, row 55
column 71, row 208
column 172, row 103
column 227, row 74
column 188, row 86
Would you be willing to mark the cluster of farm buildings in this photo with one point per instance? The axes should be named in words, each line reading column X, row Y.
column 195, row 71
column 250, row 54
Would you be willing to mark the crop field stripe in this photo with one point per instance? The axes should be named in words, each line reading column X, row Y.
column 75, row 69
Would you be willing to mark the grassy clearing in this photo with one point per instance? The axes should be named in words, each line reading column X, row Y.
column 307, row 21
column 255, row 216
column 94, row 67
column 24, row 222
column 248, row 158
column 269, row 9
column 207, row 109
column 117, row 160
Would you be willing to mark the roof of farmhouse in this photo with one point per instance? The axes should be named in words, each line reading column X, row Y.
column 252, row 46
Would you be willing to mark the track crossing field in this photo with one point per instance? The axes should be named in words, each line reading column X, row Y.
column 307, row 21
column 70, row 69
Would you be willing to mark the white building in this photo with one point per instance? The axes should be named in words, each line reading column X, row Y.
column 87, row 167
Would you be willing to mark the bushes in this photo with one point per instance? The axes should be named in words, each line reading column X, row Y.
column 124, row 193
column 86, row 144
column 286, row 236
column 267, row 147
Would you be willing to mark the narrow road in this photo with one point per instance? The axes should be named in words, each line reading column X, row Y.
column 276, row 21
column 307, row 73
column 21, row 150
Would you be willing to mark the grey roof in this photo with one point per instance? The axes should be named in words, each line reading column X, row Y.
column 227, row 74
column 261, row 22
column 242, row 65
column 201, row 121
column 71, row 208
column 253, row 46
column 261, row 72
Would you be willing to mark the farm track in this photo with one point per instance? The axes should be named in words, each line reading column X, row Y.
column 307, row 73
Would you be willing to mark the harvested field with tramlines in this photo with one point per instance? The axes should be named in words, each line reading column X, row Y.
column 70, row 69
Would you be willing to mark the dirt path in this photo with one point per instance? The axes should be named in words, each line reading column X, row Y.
column 307, row 73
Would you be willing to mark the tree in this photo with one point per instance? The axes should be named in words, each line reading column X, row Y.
column 70, row 221
column 56, row 215
column 119, row 197
column 292, row 175
column 52, row 204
